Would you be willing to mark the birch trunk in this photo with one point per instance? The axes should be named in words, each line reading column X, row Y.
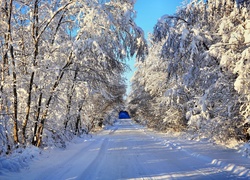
column 14, row 77
column 34, row 141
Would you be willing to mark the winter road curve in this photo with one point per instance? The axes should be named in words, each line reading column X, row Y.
column 128, row 151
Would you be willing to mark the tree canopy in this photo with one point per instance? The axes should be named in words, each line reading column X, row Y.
column 196, row 76
column 61, row 67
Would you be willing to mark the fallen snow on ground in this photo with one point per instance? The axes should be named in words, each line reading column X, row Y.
column 127, row 151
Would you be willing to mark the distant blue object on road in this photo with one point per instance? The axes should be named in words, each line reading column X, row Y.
column 124, row 115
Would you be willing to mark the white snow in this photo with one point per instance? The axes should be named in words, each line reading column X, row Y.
column 129, row 151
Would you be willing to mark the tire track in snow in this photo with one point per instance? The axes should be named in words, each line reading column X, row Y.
column 68, row 166
column 117, row 158
column 97, row 162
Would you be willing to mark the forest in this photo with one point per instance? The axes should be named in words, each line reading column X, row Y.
column 62, row 65
column 196, row 77
column 61, row 68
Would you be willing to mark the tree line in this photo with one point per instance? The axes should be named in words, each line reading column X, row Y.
column 196, row 77
column 61, row 67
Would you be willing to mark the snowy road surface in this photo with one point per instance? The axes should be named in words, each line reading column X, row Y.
column 128, row 151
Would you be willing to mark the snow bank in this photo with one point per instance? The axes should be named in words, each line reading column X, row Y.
column 22, row 157
column 238, row 170
column 245, row 150
column 226, row 159
column 19, row 159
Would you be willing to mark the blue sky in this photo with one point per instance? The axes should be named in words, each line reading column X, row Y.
column 148, row 12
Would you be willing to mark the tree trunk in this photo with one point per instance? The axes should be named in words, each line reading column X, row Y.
column 14, row 78
column 41, row 125
column 70, row 96
column 78, row 120
column 34, row 141
column 35, row 35
column 27, row 109
column 3, row 103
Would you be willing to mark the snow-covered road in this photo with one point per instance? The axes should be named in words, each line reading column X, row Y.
column 129, row 151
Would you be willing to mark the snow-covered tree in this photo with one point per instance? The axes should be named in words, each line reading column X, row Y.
column 202, row 53
column 61, row 66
